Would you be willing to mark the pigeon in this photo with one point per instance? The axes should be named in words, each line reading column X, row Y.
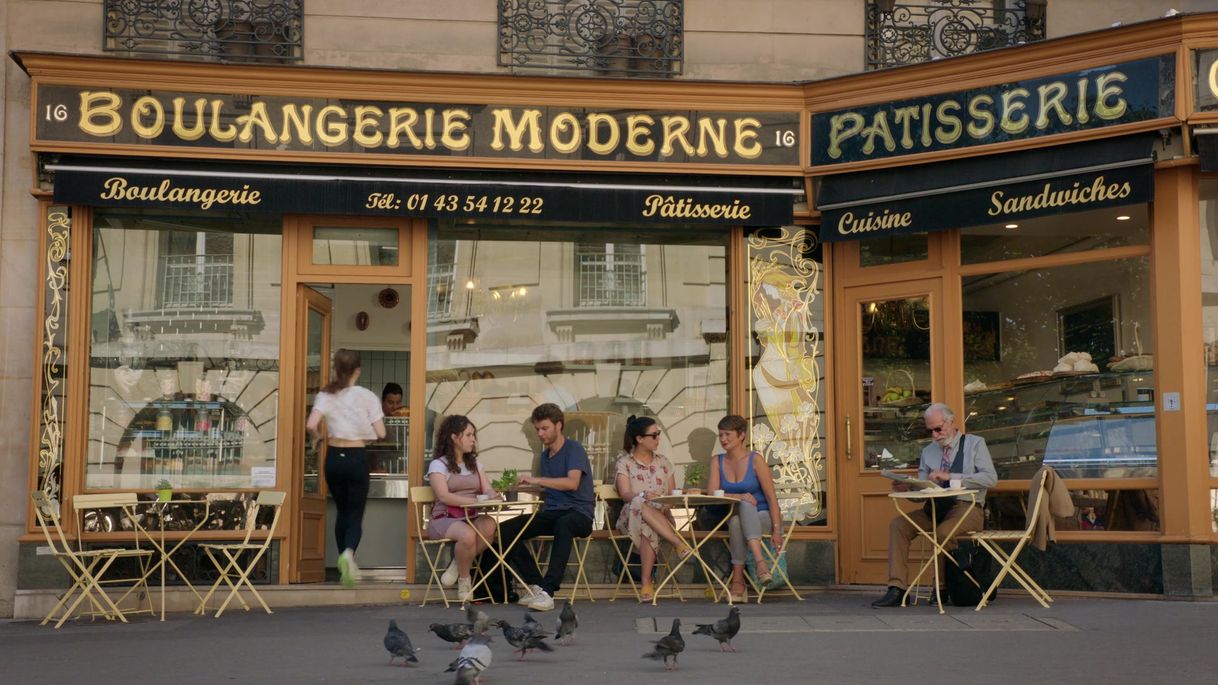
column 670, row 645
column 523, row 639
column 477, row 618
column 456, row 633
column 567, row 623
column 534, row 626
column 722, row 630
column 475, row 658
column 398, row 644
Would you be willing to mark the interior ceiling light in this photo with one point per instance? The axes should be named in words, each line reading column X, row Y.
column 1123, row 217
column 1012, row 225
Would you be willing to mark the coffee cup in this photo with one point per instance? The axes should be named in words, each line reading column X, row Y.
column 957, row 483
column 719, row 493
column 483, row 498
column 676, row 492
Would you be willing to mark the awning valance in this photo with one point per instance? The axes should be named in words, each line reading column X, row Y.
column 987, row 190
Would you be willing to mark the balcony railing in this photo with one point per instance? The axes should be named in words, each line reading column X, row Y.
column 615, row 37
column 231, row 30
column 610, row 279
column 439, row 291
column 204, row 280
column 900, row 33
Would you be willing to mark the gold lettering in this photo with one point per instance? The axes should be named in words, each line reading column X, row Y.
column 1081, row 115
column 926, row 139
column 429, row 128
column 143, row 106
column 1213, row 78
column 1010, row 107
column 1106, row 86
column 979, row 113
column 402, row 121
column 842, row 127
column 368, row 116
column 879, row 127
column 223, row 133
column 903, row 116
column 1052, row 102
column 675, row 129
column 715, row 131
column 950, row 125
column 179, row 124
column 638, row 134
column 747, row 134
column 331, row 134
column 297, row 119
column 99, row 113
column 259, row 117
column 530, row 119
column 595, row 123
column 454, row 136
column 562, row 124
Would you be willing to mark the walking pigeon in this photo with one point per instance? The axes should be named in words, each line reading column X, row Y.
column 475, row 658
column 523, row 639
column 567, row 623
column 477, row 618
column 534, row 626
column 398, row 644
column 722, row 630
column 670, row 645
column 456, row 633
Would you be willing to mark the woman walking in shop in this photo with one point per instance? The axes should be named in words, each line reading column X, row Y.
column 353, row 417
column 743, row 475
column 643, row 474
column 457, row 478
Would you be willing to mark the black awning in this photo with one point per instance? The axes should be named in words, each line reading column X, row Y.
column 987, row 190
column 499, row 195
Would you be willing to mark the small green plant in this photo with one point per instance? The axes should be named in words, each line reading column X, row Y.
column 695, row 475
column 164, row 491
column 506, row 480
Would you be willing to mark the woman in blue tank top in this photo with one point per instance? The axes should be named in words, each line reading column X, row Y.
column 743, row 475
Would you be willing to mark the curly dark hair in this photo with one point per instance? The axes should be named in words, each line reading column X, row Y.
column 454, row 424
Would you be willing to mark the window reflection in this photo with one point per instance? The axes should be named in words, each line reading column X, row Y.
column 184, row 376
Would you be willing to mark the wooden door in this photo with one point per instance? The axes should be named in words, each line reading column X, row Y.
column 890, row 369
column 308, row 562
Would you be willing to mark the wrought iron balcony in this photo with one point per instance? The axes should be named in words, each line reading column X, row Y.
column 191, row 281
column 900, row 33
column 614, row 37
column 231, row 30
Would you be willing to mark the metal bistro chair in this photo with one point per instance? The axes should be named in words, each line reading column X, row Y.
column 989, row 539
column 773, row 555
column 86, row 567
column 579, row 547
column 623, row 546
column 422, row 499
column 230, row 567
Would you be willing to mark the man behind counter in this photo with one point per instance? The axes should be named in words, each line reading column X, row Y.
column 391, row 400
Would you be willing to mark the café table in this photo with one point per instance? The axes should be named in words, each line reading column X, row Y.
column 497, row 510
column 158, row 542
column 938, row 544
column 697, row 539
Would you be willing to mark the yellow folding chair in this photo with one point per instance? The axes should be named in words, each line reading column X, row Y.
column 125, row 501
column 87, row 568
column 607, row 493
column 990, row 539
column 579, row 547
column 422, row 500
column 226, row 556
column 773, row 555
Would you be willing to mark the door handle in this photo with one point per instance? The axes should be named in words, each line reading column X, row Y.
column 849, row 440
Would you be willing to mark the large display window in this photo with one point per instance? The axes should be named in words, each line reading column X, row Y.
column 184, row 370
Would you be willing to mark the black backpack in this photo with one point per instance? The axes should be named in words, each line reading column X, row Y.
column 978, row 563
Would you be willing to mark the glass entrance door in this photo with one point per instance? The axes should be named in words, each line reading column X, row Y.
column 309, row 548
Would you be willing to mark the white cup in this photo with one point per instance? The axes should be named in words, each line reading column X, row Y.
column 718, row 493
column 956, row 484
column 483, row 498
column 676, row 492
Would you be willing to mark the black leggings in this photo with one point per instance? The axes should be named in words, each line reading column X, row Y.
column 347, row 478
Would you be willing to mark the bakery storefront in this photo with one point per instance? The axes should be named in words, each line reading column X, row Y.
column 207, row 246
column 1016, row 235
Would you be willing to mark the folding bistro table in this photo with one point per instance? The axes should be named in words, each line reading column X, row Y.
column 697, row 539
column 933, row 495
column 158, row 541
column 496, row 508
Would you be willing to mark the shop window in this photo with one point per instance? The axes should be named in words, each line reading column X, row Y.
column 1209, row 309
column 1058, row 365
column 1058, row 234
column 786, row 400
column 355, row 246
column 441, row 271
column 610, row 275
column 538, row 341
column 894, row 249
column 184, row 371
column 1123, row 510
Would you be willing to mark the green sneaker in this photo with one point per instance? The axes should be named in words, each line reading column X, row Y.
column 347, row 571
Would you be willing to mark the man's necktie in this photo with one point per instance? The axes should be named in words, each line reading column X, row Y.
column 947, row 461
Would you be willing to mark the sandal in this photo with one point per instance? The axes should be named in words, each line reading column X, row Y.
column 765, row 579
column 685, row 553
column 741, row 597
column 647, row 593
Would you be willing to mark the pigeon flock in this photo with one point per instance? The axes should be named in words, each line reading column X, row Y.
column 472, row 638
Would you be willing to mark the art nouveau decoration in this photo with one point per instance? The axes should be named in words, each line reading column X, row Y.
column 54, row 347
column 786, row 408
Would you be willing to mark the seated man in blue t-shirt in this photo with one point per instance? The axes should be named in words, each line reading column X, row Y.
column 566, row 477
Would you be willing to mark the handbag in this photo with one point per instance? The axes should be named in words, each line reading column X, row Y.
column 461, row 512
column 777, row 569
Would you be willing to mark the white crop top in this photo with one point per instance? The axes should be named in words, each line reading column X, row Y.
column 350, row 413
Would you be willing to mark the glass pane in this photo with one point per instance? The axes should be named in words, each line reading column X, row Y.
column 894, row 249
column 315, row 329
column 387, row 374
column 785, row 392
column 355, row 246
column 896, row 380
column 1209, row 308
column 1093, row 510
column 521, row 329
column 184, row 380
column 1057, row 234
column 1059, row 371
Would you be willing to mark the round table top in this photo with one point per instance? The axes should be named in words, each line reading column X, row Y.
column 500, row 504
column 692, row 500
column 932, row 493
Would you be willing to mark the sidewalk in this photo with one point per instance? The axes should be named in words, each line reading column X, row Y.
column 829, row 638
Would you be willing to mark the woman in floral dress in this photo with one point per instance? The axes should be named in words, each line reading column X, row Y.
column 642, row 475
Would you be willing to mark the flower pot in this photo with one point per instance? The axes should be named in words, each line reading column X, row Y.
column 164, row 495
column 511, row 496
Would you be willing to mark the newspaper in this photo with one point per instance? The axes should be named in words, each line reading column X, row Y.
column 911, row 481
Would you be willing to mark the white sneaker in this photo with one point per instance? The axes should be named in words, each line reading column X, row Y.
column 463, row 590
column 529, row 594
column 449, row 577
column 542, row 601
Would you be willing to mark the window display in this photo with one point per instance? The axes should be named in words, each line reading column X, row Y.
column 184, row 370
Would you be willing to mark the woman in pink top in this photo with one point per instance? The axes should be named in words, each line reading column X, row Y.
column 353, row 417
column 457, row 478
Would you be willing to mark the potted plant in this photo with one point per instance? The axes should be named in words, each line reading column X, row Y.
column 695, row 477
column 164, row 491
column 505, row 481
